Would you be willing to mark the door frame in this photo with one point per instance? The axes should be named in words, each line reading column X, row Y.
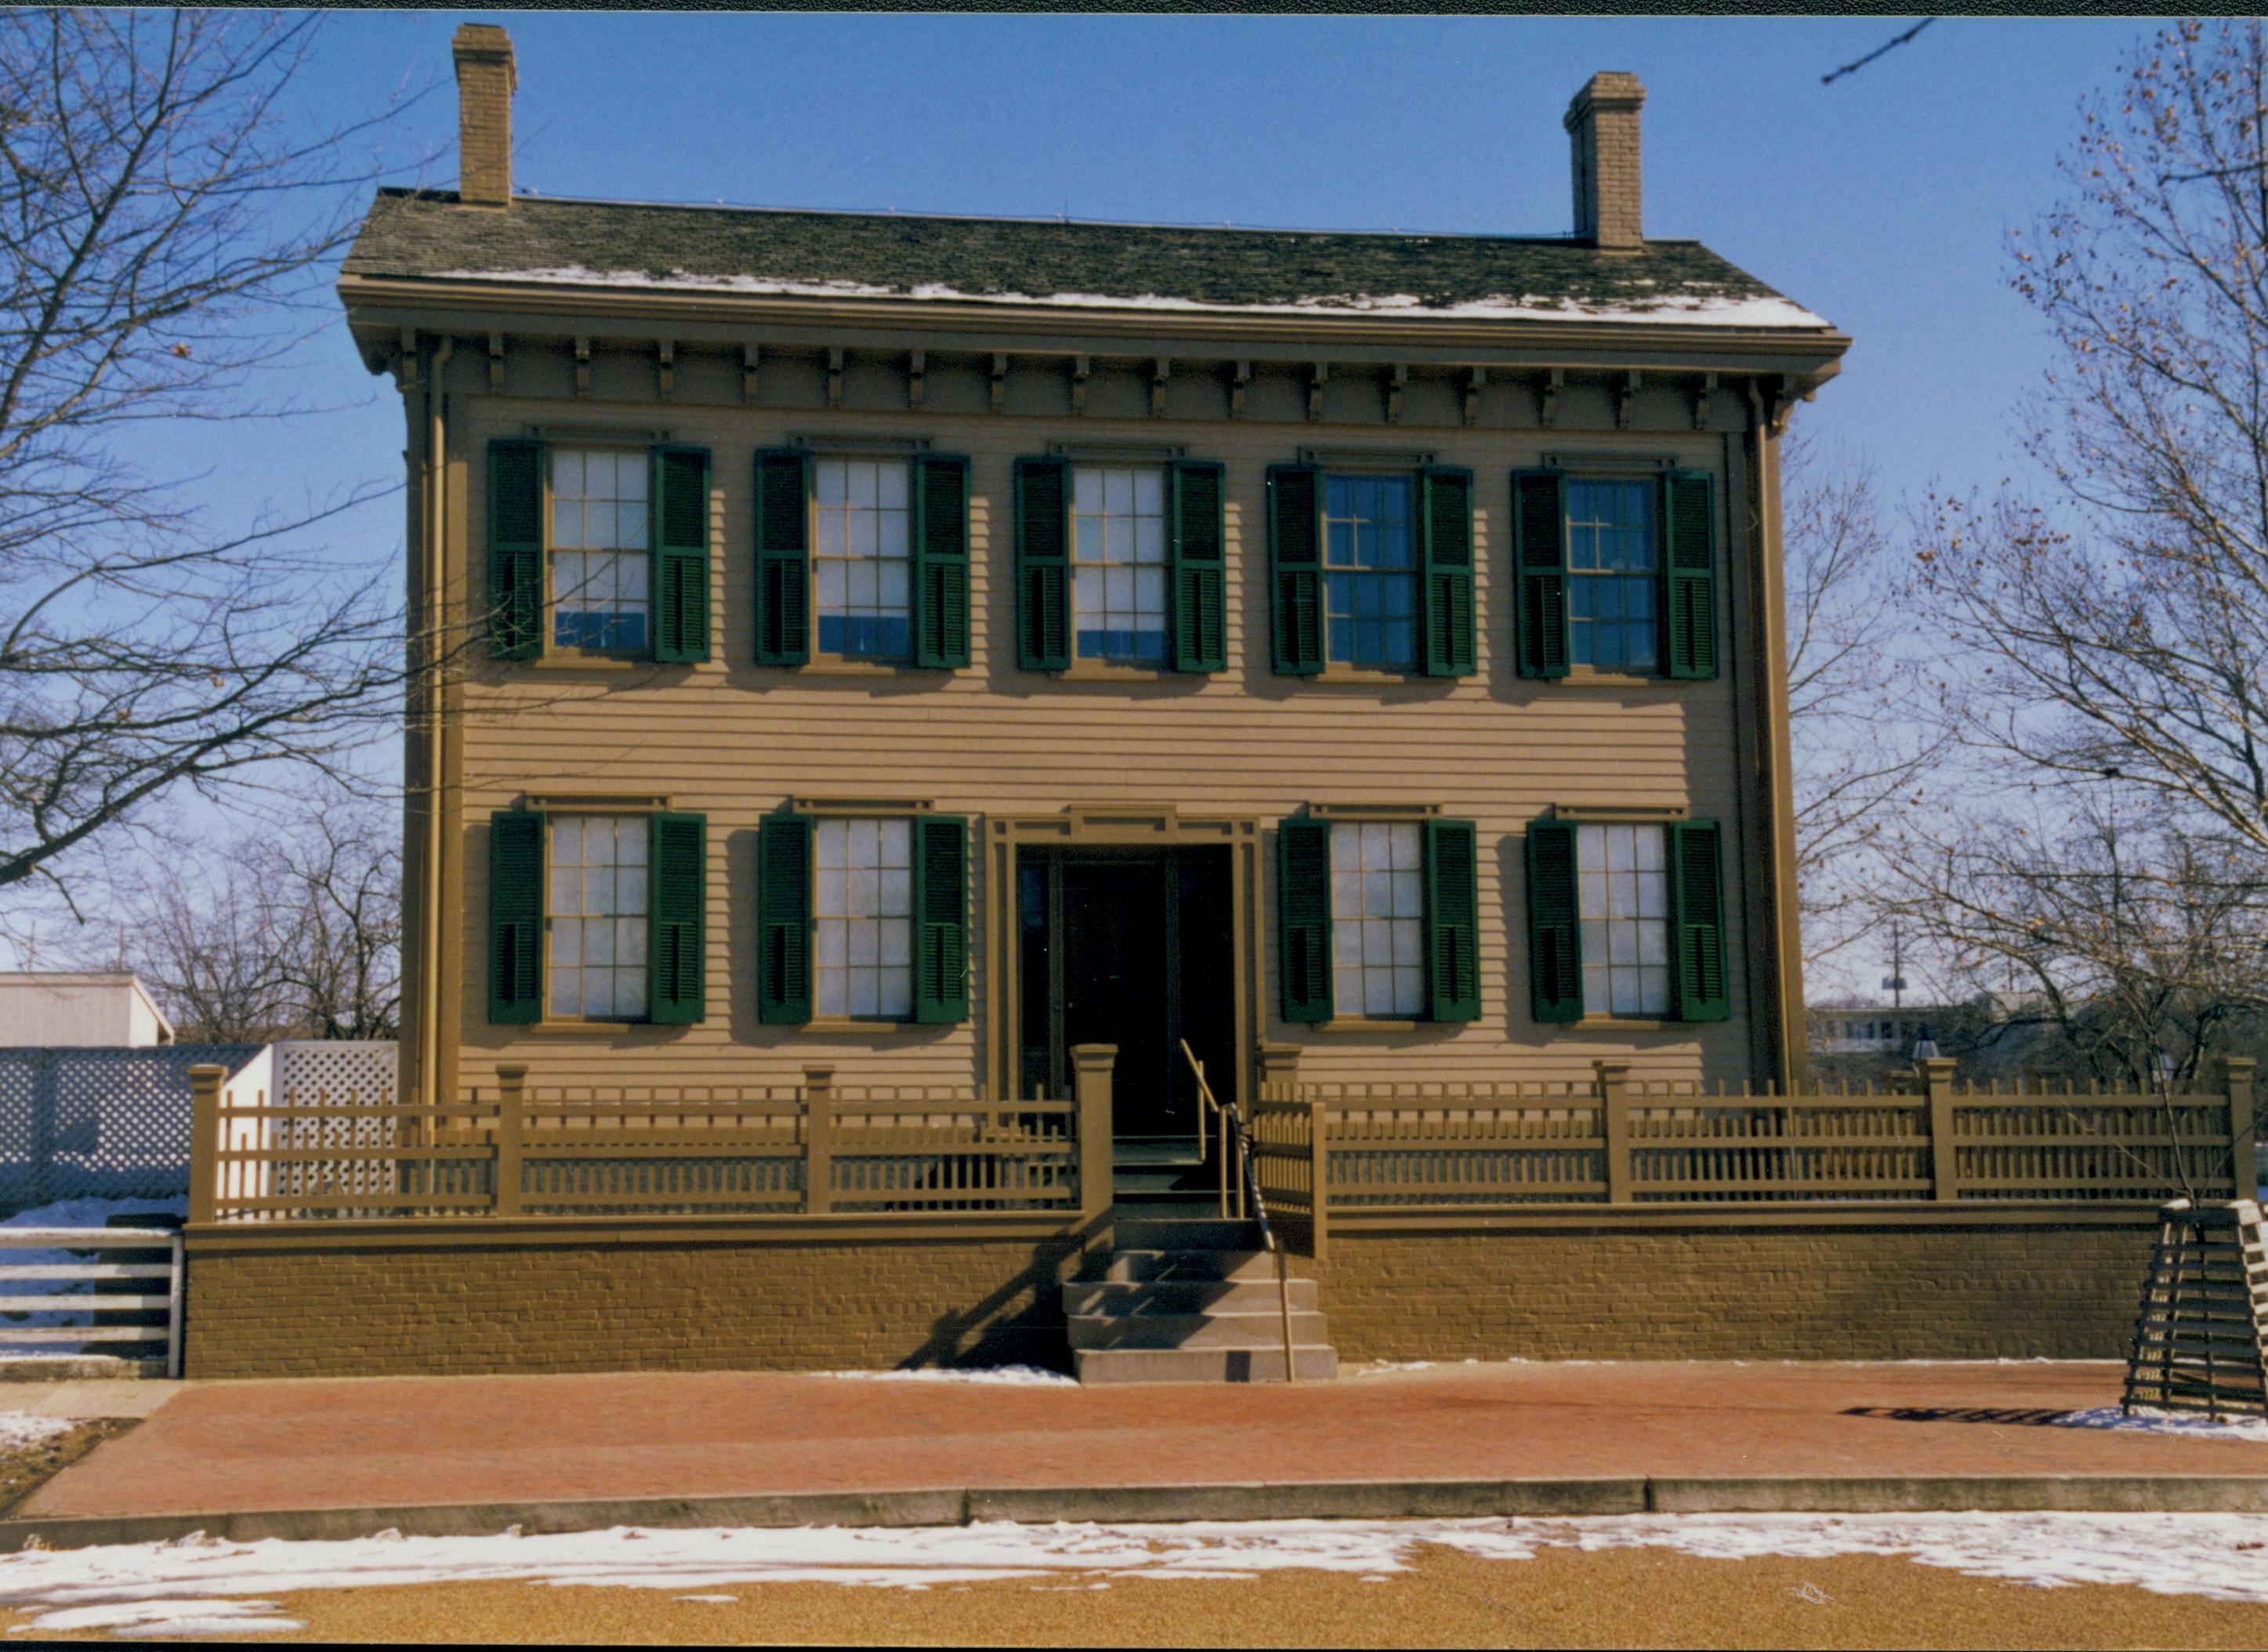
column 1150, row 826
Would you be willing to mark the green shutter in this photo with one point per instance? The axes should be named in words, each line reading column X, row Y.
column 1445, row 575
column 1697, row 906
column 1303, row 913
column 1539, row 531
column 678, row 856
column 516, row 549
column 1200, row 569
column 784, row 919
column 515, row 917
column 680, row 554
column 784, row 557
column 1453, row 922
column 941, row 581
column 1689, row 575
column 1555, row 950
column 1042, row 564
column 1295, row 569
column 941, row 919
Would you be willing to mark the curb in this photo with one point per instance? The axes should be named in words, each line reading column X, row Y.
column 1352, row 1500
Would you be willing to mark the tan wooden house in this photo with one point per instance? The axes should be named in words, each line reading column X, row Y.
column 925, row 644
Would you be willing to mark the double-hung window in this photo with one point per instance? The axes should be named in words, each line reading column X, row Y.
column 595, row 549
column 596, row 917
column 1118, row 557
column 1612, row 574
column 1615, row 574
column 1370, row 571
column 1626, row 921
column 1378, row 920
column 861, row 557
column 862, row 917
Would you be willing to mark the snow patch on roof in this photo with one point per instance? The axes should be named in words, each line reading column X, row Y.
column 1693, row 309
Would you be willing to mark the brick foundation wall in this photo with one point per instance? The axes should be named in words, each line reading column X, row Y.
column 1724, row 1293
column 1943, row 1290
column 613, row 1306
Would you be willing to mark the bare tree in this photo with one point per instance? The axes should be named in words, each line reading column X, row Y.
column 2116, row 626
column 1858, row 748
column 335, row 905
column 165, row 236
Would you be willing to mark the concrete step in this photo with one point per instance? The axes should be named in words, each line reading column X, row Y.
column 1152, row 1233
column 1191, row 1264
column 1190, row 1331
column 1184, row 1296
column 1203, row 1365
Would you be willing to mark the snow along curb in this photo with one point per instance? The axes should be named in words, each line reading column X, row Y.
column 1352, row 1500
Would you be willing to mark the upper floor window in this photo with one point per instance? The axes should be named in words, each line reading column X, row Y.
column 1370, row 567
column 601, row 548
column 1612, row 575
column 597, row 915
column 1622, row 895
column 1118, row 552
column 863, row 912
column 860, row 557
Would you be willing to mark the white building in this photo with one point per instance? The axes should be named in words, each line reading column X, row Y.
column 61, row 1009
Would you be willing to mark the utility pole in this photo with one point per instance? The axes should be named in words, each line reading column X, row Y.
column 1895, row 982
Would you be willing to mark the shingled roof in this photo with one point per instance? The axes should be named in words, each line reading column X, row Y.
column 1038, row 261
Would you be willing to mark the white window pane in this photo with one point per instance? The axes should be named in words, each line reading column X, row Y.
column 1378, row 892
column 865, row 942
column 1086, row 489
column 862, row 483
column 566, row 522
column 862, row 836
column 866, row 892
column 1594, row 986
column 1409, row 943
column 1652, row 896
column 1621, row 943
column 1649, row 848
column 1621, row 848
column 629, row 526
column 1654, row 943
column 862, row 538
column 1377, row 991
column 1377, row 849
column 897, row 897
column 1087, row 591
column 566, row 993
column 830, row 581
column 1346, row 991
column 1622, row 898
column 567, row 472
column 1590, row 848
column 832, row 997
column 866, row 996
column 833, row 836
column 566, row 943
column 897, row 942
column 896, row 996
column 833, row 886
column 833, row 944
column 1409, row 991
column 891, row 487
column 630, row 578
column 630, row 943
column 894, row 842
column 1149, row 593
column 566, row 890
column 598, row 991
column 1594, row 941
column 1149, row 539
column 1120, row 590
column 630, row 470
column 1150, row 491
column 1346, row 893
column 828, row 486
column 1591, row 893
column 1118, row 491
column 630, row 888
column 598, row 944
column 892, row 593
column 864, row 586
column 629, row 992
column 1409, row 851
column 1406, row 899
column 1346, row 943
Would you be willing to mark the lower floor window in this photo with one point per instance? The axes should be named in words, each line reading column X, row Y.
column 1623, row 900
column 1378, row 918
column 863, row 912
column 598, row 916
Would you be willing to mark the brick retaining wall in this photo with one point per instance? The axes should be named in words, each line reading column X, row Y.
column 270, row 1306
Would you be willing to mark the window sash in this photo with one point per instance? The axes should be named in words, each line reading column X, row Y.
column 1119, row 563
column 1370, row 572
column 597, row 917
column 1622, row 905
column 862, row 914
column 1378, row 920
column 862, row 557
column 598, row 528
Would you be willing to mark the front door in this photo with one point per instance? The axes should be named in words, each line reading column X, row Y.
column 1130, row 948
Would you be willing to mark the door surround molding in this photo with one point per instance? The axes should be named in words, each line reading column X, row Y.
column 1119, row 826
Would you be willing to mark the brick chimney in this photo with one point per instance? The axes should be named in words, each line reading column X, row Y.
column 485, row 83
column 1602, row 135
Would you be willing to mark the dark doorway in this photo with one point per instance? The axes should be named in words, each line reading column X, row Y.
column 1131, row 948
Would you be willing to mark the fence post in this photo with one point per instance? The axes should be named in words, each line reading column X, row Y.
column 1090, row 1080
column 2244, row 1170
column 205, row 1140
column 818, row 1139
column 1319, row 1177
column 1614, row 1126
column 177, row 1300
column 1944, row 1168
column 511, row 1096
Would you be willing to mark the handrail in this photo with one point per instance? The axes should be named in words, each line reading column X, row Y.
column 1233, row 1129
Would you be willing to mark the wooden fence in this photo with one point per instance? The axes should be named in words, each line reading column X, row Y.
column 1332, row 1150
column 511, row 1149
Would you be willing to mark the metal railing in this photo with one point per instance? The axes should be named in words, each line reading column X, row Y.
column 1236, row 1139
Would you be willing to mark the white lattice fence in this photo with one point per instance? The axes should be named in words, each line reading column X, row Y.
column 99, row 1123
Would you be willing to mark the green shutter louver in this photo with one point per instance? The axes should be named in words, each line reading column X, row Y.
column 515, row 917
column 1696, row 907
column 783, row 854
column 1689, row 575
column 1453, row 925
column 1295, row 569
column 681, row 555
column 1042, row 564
column 941, row 918
column 784, row 557
column 1200, row 573
column 1303, row 914
column 1445, row 571
column 1539, row 535
column 1555, row 952
column 516, row 549
column 676, row 927
column 940, row 571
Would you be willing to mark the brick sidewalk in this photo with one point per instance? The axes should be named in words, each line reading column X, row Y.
column 390, row 1442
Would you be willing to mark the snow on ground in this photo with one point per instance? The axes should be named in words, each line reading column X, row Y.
column 92, row 1213
column 22, row 1428
column 201, row 1585
column 2187, row 1425
column 1009, row 1376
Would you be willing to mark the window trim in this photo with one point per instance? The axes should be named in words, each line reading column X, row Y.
column 1335, row 815
column 1380, row 466
column 1652, row 475
column 826, row 661
column 621, row 807
column 553, row 650
column 1098, row 667
column 1663, row 819
column 853, row 810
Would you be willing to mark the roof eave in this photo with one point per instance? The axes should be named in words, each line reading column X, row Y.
column 379, row 306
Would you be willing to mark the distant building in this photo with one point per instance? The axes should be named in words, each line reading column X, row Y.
column 60, row 1009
